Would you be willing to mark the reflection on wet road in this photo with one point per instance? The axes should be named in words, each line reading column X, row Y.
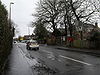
column 52, row 61
column 67, row 63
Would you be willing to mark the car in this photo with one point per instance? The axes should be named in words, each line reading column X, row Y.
column 32, row 44
column 23, row 41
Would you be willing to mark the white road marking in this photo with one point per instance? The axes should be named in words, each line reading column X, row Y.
column 69, row 58
column 75, row 60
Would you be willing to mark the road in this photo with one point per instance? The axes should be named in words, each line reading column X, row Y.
column 53, row 61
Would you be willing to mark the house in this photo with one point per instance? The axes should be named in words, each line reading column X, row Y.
column 28, row 37
column 83, row 30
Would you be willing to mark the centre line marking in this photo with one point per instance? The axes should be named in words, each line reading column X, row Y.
column 75, row 60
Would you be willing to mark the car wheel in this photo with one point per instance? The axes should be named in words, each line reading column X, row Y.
column 28, row 48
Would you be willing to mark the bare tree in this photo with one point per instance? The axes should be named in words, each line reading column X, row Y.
column 96, row 5
column 82, row 9
column 48, row 11
column 55, row 12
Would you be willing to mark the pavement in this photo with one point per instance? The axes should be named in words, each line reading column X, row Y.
column 95, row 52
column 88, row 51
column 18, row 63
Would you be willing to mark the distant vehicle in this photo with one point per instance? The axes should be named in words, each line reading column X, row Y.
column 32, row 44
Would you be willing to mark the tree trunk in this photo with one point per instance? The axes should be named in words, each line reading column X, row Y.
column 65, row 28
column 54, row 28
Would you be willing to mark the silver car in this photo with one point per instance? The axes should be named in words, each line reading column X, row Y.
column 32, row 44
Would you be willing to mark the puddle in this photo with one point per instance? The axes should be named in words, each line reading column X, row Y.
column 41, row 69
column 38, row 66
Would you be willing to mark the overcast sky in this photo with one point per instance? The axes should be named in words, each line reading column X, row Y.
column 22, row 13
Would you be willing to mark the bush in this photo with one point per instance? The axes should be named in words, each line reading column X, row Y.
column 96, row 39
column 5, row 37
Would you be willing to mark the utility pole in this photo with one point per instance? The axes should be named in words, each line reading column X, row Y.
column 10, row 14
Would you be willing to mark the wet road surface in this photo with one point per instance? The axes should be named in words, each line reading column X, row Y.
column 51, row 61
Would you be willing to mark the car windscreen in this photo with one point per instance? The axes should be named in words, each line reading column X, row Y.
column 33, row 42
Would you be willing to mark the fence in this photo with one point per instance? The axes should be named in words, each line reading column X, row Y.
column 86, row 44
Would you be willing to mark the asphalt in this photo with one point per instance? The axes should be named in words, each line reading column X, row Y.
column 88, row 51
column 21, row 64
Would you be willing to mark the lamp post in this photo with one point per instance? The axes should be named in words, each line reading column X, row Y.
column 10, row 14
